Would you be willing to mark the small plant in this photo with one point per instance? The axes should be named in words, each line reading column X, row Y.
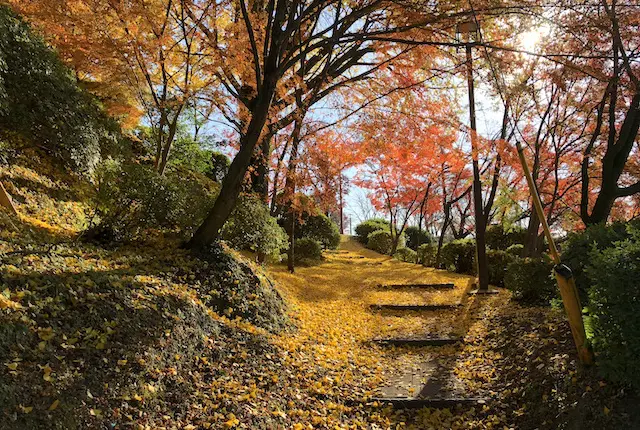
column 369, row 226
column 426, row 255
column 380, row 241
column 308, row 252
column 416, row 237
column 531, row 281
column 459, row 255
column 614, row 309
column 407, row 255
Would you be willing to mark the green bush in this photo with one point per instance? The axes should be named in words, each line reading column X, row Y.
column 578, row 246
column 498, row 262
column 133, row 198
column 320, row 228
column 499, row 239
column 40, row 100
column 251, row 227
column 516, row 250
column 307, row 252
column 218, row 166
column 459, row 255
column 614, row 309
column 531, row 280
column 426, row 255
column 416, row 237
column 380, row 241
column 369, row 226
column 407, row 255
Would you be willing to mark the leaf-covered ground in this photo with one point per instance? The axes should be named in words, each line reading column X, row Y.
column 150, row 336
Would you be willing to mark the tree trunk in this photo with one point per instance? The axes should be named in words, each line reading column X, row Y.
column 531, row 248
column 260, row 177
column 209, row 231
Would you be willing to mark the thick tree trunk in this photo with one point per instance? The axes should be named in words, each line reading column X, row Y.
column 209, row 231
column 531, row 248
column 260, row 177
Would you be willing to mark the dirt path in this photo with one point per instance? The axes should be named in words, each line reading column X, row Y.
column 336, row 323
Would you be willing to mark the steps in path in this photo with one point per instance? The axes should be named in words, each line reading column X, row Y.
column 417, row 342
column 437, row 403
column 394, row 307
column 447, row 286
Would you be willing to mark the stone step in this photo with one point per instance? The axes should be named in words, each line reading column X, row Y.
column 425, row 341
column 438, row 403
column 448, row 286
column 392, row 307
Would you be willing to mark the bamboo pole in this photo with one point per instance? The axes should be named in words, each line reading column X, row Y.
column 563, row 275
column 5, row 200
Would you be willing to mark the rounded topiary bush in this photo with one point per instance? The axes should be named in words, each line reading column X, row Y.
column 407, row 255
column 380, row 241
column 498, row 262
column 426, row 255
column 416, row 237
column 307, row 252
column 614, row 310
column 251, row 227
column 321, row 228
column 531, row 281
column 369, row 226
column 459, row 255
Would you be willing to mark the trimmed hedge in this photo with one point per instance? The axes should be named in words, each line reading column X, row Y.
column 531, row 281
column 320, row 228
column 458, row 256
column 499, row 239
column 426, row 255
column 498, row 262
column 416, row 237
column 614, row 311
column 407, row 255
column 578, row 246
column 307, row 252
column 369, row 226
column 380, row 241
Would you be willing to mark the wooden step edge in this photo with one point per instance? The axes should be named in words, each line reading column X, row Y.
column 414, row 307
column 433, row 341
column 438, row 403
column 449, row 286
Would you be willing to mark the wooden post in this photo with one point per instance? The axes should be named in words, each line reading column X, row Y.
column 5, row 200
column 563, row 275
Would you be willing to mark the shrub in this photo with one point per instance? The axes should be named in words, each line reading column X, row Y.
column 41, row 101
column 426, row 255
column 407, row 255
column 498, row 262
column 218, row 166
column 459, row 255
column 516, row 250
column 369, row 226
column 578, row 246
column 132, row 198
column 251, row 227
column 380, row 241
column 531, row 280
column 614, row 310
column 320, row 228
column 307, row 252
column 499, row 239
column 416, row 237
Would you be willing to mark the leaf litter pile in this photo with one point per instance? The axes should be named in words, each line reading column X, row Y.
column 149, row 336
